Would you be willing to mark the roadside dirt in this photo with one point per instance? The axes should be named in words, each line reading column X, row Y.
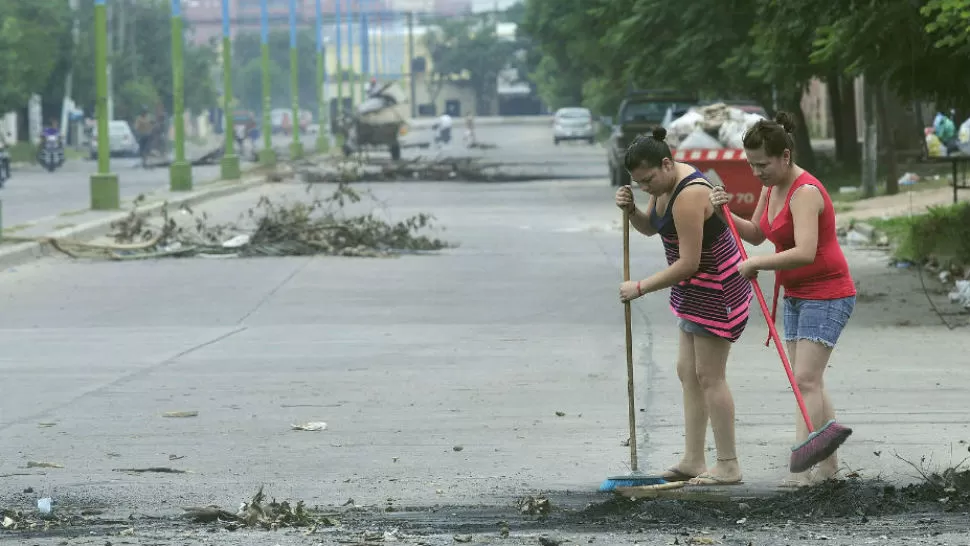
column 852, row 511
column 901, row 204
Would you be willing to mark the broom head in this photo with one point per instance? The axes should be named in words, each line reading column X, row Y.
column 635, row 479
column 818, row 446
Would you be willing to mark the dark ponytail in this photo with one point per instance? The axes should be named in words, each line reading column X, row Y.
column 648, row 150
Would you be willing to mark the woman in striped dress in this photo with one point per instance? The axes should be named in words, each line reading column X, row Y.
column 707, row 294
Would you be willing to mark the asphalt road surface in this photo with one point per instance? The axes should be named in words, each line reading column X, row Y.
column 33, row 193
column 452, row 385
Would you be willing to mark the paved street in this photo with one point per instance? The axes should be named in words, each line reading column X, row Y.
column 440, row 377
column 33, row 193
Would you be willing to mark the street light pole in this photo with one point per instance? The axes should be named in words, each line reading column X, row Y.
column 230, row 161
column 180, row 173
column 323, row 135
column 340, row 73
column 350, row 54
column 267, row 156
column 364, row 52
column 296, row 147
column 105, row 193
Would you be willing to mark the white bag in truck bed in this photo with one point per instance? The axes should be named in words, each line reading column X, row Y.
column 698, row 139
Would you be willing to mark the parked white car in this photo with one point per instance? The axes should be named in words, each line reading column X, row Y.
column 121, row 140
column 573, row 124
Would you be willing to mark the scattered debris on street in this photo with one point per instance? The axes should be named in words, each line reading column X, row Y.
column 455, row 169
column 180, row 414
column 312, row 426
column 256, row 513
column 300, row 228
column 535, row 506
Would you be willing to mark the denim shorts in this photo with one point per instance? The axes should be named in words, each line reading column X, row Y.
column 821, row 321
column 692, row 327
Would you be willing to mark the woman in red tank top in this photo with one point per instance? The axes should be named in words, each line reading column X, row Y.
column 796, row 214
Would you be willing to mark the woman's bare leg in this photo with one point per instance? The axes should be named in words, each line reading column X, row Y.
column 710, row 357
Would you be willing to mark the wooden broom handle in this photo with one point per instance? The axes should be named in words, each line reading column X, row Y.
column 629, row 345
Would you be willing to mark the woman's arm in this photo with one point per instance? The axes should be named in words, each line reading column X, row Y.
column 806, row 206
column 749, row 230
column 690, row 211
column 640, row 220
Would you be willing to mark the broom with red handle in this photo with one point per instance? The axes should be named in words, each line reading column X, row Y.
column 820, row 443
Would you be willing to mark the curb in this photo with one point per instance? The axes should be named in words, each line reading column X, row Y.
column 22, row 253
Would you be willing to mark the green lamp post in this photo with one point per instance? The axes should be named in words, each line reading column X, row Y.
column 230, row 161
column 105, row 191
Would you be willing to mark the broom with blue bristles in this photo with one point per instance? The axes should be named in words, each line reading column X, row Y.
column 635, row 477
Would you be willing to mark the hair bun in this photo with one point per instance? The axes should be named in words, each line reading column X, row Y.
column 659, row 133
column 786, row 120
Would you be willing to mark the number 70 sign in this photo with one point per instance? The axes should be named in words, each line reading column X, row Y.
column 741, row 198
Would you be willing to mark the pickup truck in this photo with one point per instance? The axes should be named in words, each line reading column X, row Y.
column 641, row 111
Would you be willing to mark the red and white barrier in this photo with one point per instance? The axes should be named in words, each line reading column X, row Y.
column 710, row 155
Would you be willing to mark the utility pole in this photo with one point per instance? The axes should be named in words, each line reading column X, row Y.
column 323, row 135
column 69, row 83
column 376, row 58
column 354, row 88
column 414, row 93
column 869, row 144
column 180, row 173
column 267, row 156
column 105, row 194
column 109, row 33
column 364, row 51
column 230, row 161
column 340, row 73
column 296, row 147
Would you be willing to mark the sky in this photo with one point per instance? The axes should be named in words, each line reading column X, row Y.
column 489, row 5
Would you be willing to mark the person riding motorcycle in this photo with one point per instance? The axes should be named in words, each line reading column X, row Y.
column 51, row 130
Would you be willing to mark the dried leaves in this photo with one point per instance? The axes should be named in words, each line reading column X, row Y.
column 301, row 228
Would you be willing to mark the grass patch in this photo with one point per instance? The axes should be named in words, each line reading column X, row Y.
column 836, row 176
column 942, row 233
column 23, row 152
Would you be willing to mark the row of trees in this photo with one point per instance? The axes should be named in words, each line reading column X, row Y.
column 37, row 50
column 592, row 51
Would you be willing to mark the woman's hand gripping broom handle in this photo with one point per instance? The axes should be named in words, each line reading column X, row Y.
column 629, row 345
column 771, row 324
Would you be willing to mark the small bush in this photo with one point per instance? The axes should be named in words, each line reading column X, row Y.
column 943, row 233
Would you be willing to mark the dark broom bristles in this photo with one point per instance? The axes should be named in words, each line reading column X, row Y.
column 818, row 446
column 631, row 480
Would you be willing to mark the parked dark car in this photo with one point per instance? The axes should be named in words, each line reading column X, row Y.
column 640, row 112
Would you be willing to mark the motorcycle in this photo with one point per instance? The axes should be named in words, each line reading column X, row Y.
column 51, row 153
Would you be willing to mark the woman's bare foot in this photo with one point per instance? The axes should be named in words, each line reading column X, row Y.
column 803, row 479
column 724, row 472
column 684, row 470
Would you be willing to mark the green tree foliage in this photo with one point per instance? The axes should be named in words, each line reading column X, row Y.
column 766, row 50
column 948, row 22
column 32, row 36
column 575, row 67
column 37, row 50
column 247, row 55
column 468, row 50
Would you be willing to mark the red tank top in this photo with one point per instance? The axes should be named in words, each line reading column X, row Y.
column 827, row 278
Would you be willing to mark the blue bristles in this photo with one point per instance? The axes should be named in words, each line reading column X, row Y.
column 629, row 481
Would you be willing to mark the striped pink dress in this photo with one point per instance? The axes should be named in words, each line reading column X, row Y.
column 717, row 297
